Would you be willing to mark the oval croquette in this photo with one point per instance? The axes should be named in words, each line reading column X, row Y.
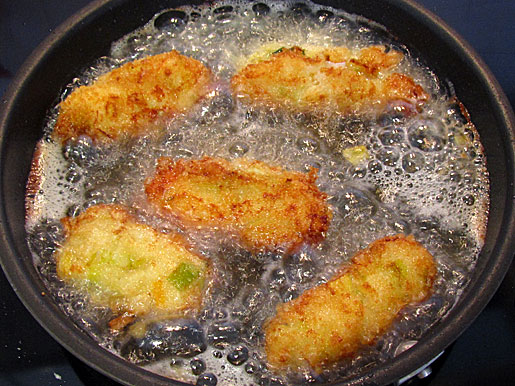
column 333, row 320
column 130, row 266
column 267, row 207
column 131, row 100
column 329, row 79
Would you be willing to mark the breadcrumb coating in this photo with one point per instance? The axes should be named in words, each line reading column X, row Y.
column 130, row 266
column 333, row 320
column 131, row 100
column 266, row 207
column 333, row 79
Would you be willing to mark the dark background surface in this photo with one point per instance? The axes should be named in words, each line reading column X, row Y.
column 484, row 354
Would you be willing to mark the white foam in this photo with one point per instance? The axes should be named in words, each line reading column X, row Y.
column 369, row 201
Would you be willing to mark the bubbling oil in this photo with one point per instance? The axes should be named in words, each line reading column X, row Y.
column 423, row 175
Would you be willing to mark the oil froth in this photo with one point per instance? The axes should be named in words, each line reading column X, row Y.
column 422, row 174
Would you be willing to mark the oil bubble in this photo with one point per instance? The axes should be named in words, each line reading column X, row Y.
column 300, row 10
column 251, row 368
column 207, row 379
column 182, row 337
column 469, row 199
column 93, row 193
column 254, row 300
column 427, row 136
column 73, row 210
column 198, row 366
column 395, row 114
column 388, row 156
column 261, row 9
column 221, row 106
column 359, row 172
column 173, row 19
column 277, row 278
column 195, row 16
column 173, row 138
column 324, row 15
column 375, row 167
column 290, row 293
column 454, row 176
column 223, row 9
column 73, row 176
column 81, row 152
column 223, row 334
column 89, row 203
column 413, row 162
column 238, row 356
column 312, row 164
column 238, row 149
column 391, row 136
column 308, row 144
column 299, row 267
column 355, row 205
column 468, row 178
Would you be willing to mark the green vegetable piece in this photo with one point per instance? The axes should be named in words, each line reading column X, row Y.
column 461, row 139
column 94, row 274
column 356, row 155
column 277, row 51
column 183, row 276
column 403, row 268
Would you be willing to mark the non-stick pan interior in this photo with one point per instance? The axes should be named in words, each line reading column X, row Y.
column 88, row 36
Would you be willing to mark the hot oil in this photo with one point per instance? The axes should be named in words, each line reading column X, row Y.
column 422, row 174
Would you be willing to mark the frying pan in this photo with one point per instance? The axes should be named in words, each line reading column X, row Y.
column 88, row 35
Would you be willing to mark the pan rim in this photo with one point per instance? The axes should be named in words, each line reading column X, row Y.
column 430, row 345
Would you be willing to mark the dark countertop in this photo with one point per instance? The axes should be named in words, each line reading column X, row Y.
column 484, row 354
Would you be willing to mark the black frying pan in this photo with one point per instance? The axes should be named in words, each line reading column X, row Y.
column 88, row 36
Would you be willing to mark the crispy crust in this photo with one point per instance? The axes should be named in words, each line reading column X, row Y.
column 332, row 321
column 129, row 101
column 267, row 207
column 374, row 59
column 34, row 183
column 327, row 79
column 127, row 265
